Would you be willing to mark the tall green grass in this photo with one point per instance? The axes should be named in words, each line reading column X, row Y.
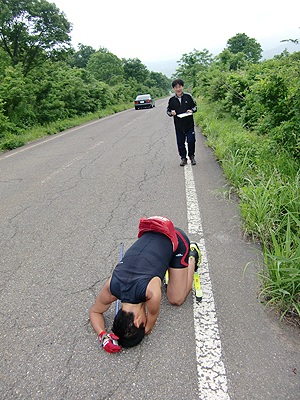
column 281, row 277
column 266, row 178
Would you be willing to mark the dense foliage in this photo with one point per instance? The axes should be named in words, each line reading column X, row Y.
column 32, row 31
column 190, row 64
column 241, row 43
column 250, row 113
column 264, row 97
column 43, row 80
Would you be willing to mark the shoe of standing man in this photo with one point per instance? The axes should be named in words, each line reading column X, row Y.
column 183, row 162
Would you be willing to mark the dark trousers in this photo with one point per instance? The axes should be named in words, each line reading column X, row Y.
column 188, row 136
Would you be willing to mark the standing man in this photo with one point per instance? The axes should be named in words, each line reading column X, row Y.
column 181, row 106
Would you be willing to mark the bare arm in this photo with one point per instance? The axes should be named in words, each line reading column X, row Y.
column 102, row 304
column 153, row 303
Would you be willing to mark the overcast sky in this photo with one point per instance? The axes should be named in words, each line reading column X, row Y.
column 160, row 30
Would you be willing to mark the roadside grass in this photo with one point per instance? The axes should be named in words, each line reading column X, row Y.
column 281, row 277
column 12, row 141
column 267, row 181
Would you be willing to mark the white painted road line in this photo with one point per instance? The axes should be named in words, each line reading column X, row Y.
column 211, row 371
column 56, row 136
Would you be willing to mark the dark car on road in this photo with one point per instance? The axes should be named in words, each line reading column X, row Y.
column 144, row 101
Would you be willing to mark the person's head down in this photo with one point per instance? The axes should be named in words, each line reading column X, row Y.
column 124, row 327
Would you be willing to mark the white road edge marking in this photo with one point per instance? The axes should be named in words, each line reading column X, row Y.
column 46, row 140
column 212, row 378
column 56, row 136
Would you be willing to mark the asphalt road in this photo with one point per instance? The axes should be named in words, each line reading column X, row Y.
column 66, row 204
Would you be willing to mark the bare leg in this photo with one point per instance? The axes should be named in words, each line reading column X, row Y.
column 180, row 283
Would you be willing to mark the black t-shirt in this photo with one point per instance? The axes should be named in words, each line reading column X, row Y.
column 149, row 256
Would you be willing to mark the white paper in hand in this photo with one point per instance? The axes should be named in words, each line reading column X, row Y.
column 186, row 114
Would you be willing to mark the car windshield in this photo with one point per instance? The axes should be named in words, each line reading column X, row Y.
column 143, row 97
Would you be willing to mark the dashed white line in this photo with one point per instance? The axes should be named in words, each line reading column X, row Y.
column 212, row 378
column 56, row 136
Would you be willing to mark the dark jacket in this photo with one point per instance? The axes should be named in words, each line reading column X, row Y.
column 187, row 103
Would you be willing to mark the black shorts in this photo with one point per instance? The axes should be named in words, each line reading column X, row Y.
column 180, row 258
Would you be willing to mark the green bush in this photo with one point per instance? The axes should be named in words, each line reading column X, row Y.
column 10, row 142
column 264, row 97
column 267, row 180
column 18, row 97
column 4, row 122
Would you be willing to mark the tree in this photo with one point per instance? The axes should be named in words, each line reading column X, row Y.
column 105, row 66
column 4, row 122
column 18, row 97
column 241, row 43
column 64, row 92
column 295, row 41
column 161, row 81
column 81, row 57
column 192, row 63
column 134, row 68
column 4, row 61
column 230, row 61
column 32, row 31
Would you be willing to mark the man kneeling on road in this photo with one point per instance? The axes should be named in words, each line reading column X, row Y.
column 137, row 280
